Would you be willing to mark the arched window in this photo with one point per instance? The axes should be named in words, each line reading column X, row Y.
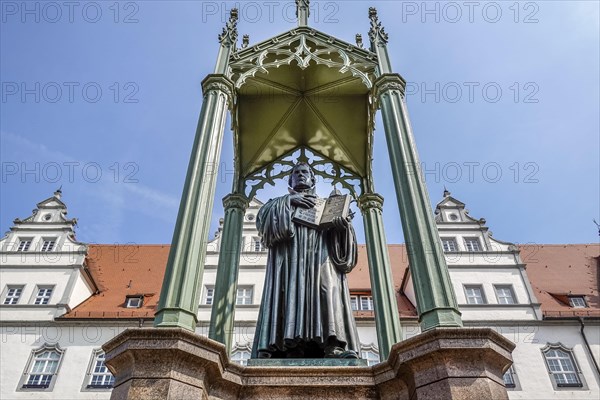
column 562, row 366
column 41, row 370
column 241, row 354
column 99, row 377
column 370, row 353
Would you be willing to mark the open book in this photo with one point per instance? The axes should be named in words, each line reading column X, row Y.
column 325, row 210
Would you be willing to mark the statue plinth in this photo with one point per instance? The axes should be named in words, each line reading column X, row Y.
column 172, row 363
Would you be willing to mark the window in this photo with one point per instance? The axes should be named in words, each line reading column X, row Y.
column 13, row 294
column 505, row 294
column 509, row 379
column 449, row 244
column 134, row 301
column 366, row 303
column 371, row 355
column 562, row 367
column 474, row 295
column 361, row 302
column 43, row 295
column 42, row 368
column 99, row 375
column 472, row 244
column 24, row 244
column 209, row 295
column 240, row 356
column 48, row 244
column 244, row 295
column 577, row 302
column 257, row 245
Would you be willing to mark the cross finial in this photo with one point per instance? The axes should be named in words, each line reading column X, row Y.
column 377, row 32
column 302, row 12
column 230, row 33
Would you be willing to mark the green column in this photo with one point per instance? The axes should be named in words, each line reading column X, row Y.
column 178, row 304
column 436, row 302
column 223, row 308
column 387, row 318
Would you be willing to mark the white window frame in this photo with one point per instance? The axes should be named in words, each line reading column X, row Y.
column 370, row 353
column 244, row 295
column 134, row 301
column 354, row 303
column 240, row 354
column 9, row 298
column 48, row 244
column 24, row 244
column 557, row 358
column 208, row 295
column 501, row 296
column 481, row 292
column 368, row 300
column 40, row 299
column 96, row 367
column 25, row 385
column 470, row 249
column 511, row 380
column 448, row 240
column 577, row 302
column 257, row 245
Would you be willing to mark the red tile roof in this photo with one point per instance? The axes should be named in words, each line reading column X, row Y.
column 559, row 270
column 119, row 271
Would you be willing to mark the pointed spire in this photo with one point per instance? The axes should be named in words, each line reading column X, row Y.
column 377, row 32
column 230, row 34
column 302, row 12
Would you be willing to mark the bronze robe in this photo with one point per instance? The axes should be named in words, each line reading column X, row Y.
column 306, row 300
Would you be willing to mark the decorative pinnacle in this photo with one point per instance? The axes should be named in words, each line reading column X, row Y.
column 230, row 33
column 446, row 192
column 377, row 32
column 245, row 41
column 302, row 12
column 359, row 41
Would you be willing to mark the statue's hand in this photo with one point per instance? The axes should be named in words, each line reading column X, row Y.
column 303, row 200
column 340, row 223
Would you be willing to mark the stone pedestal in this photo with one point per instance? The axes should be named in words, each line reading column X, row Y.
column 172, row 363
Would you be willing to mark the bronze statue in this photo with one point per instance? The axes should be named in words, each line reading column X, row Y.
column 305, row 310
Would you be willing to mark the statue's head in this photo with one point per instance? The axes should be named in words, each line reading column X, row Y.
column 301, row 177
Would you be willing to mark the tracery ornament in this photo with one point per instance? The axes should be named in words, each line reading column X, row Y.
column 296, row 48
column 321, row 165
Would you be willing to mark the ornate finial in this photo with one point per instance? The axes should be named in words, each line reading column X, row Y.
column 302, row 12
column 230, row 33
column 377, row 32
column 58, row 192
column 446, row 192
column 359, row 41
column 245, row 41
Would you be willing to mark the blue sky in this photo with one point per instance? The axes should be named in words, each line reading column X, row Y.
column 103, row 98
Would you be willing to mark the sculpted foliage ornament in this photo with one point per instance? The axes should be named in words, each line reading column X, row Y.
column 230, row 34
column 377, row 32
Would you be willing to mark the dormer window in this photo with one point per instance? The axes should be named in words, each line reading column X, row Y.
column 134, row 301
column 472, row 244
column 577, row 302
column 24, row 244
column 48, row 244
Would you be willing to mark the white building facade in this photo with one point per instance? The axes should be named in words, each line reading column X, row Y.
column 61, row 300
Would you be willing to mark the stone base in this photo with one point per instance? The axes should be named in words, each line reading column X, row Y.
column 306, row 362
column 449, row 363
